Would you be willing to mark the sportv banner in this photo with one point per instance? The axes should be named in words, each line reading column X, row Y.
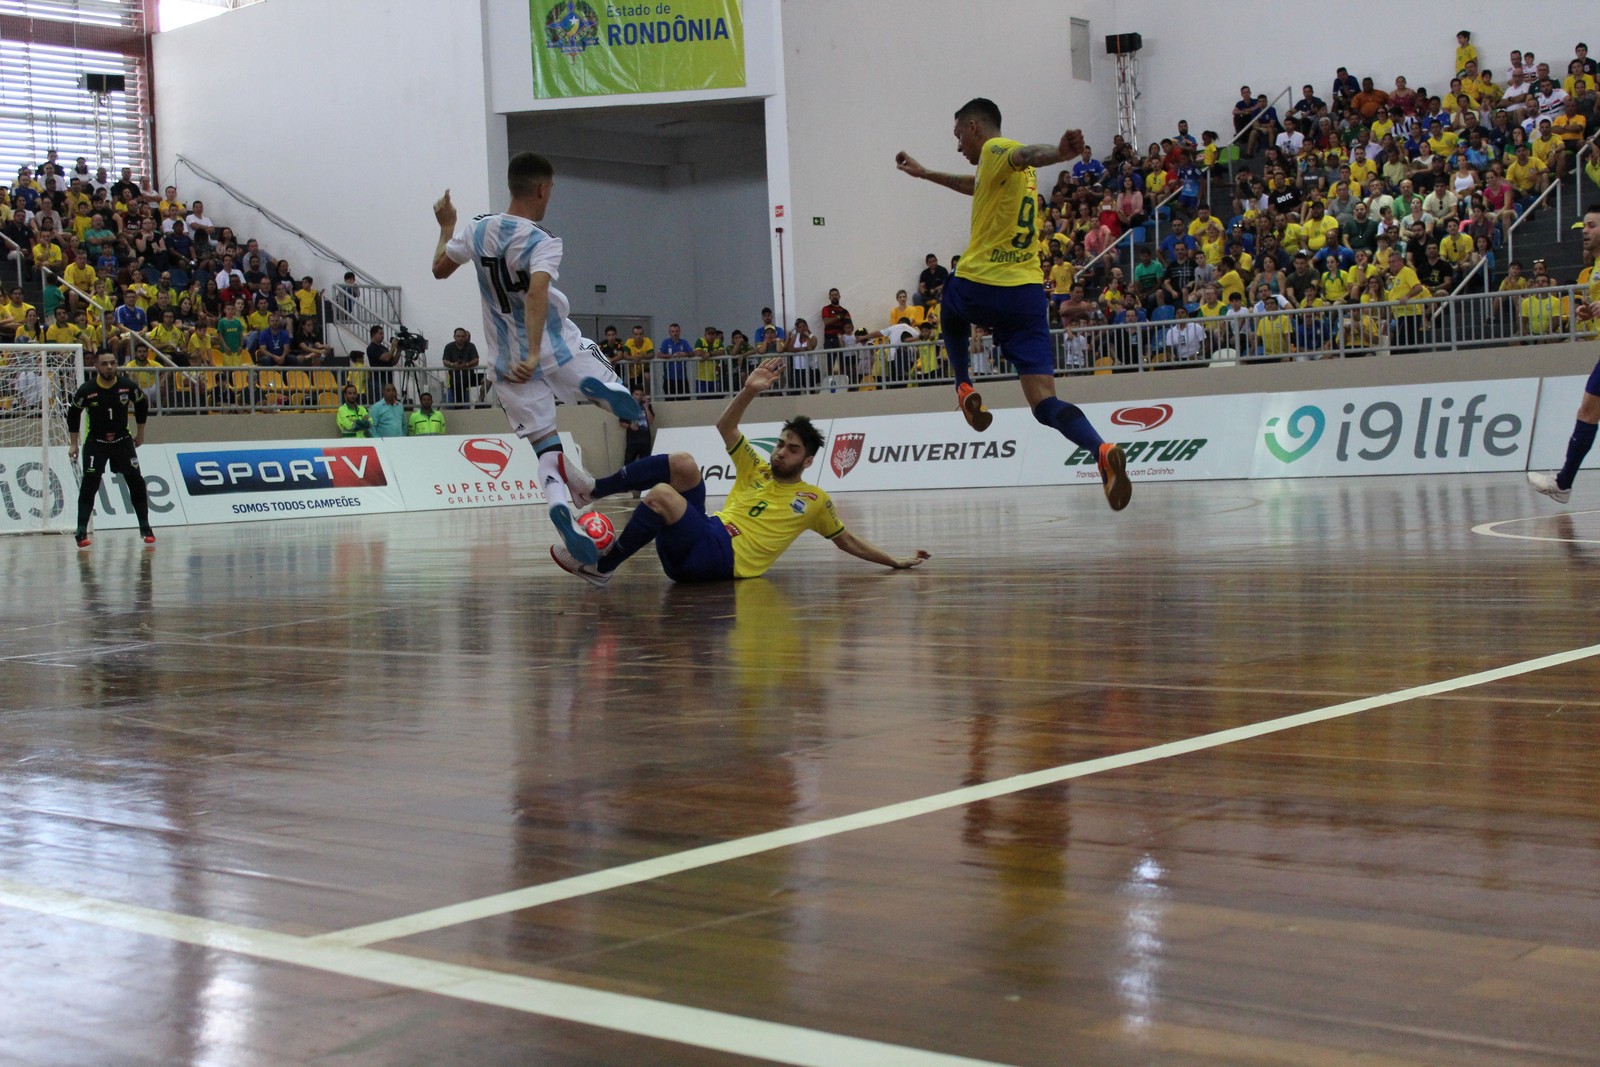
column 606, row 47
column 704, row 443
column 494, row 470
column 244, row 481
column 25, row 494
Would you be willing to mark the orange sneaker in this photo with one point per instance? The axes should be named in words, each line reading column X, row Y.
column 971, row 407
column 1113, row 464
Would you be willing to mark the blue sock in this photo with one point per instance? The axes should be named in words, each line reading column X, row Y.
column 957, row 345
column 1577, row 448
column 1070, row 421
column 636, row 477
column 640, row 531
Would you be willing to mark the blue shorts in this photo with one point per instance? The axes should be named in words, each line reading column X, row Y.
column 696, row 548
column 1017, row 315
column 1592, row 387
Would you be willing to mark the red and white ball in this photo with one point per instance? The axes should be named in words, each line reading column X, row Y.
column 599, row 529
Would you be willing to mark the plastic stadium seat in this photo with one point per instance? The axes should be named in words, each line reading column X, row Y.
column 328, row 401
column 298, row 382
column 1164, row 313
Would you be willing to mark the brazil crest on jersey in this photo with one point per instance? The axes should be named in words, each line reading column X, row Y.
column 1004, row 246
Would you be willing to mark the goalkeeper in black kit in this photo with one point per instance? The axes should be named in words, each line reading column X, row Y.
column 108, row 397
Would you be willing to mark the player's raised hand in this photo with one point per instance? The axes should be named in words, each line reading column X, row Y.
column 909, row 165
column 918, row 560
column 445, row 212
column 1071, row 144
column 765, row 376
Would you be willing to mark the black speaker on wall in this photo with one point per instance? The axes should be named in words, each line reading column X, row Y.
column 1121, row 44
column 105, row 83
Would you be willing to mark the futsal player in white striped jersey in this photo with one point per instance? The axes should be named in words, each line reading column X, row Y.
column 517, row 263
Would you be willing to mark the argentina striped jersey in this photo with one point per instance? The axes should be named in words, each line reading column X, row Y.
column 507, row 250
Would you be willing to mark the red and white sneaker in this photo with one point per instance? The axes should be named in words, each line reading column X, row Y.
column 83, row 539
column 587, row 571
column 580, row 483
column 149, row 536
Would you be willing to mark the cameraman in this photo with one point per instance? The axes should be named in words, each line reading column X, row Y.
column 382, row 359
column 460, row 358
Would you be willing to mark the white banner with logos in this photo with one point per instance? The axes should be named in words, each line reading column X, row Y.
column 1441, row 428
column 25, row 494
column 1187, row 439
column 1558, row 410
column 248, row 481
column 492, row 470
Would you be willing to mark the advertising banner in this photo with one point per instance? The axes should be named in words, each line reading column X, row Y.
column 1190, row 438
column 1558, row 410
column 441, row 473
column 25, row 494
column 244, row 481
column 1451, row 427
column 607, row 47
column 704, row 443
column 936, row 450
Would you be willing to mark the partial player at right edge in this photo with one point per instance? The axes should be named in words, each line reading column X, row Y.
column 1559, row 487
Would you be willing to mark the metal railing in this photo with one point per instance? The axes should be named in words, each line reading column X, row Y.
column 22, row 255
column 1554, row 188
column 244, row 388
column 1234, row 140
column 1336, row 331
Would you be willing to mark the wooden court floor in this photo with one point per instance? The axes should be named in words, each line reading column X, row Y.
column 1252, row 773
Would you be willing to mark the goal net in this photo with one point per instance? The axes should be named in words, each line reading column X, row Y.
column 38, row 487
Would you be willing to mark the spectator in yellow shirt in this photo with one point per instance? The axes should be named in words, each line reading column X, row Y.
column 1466, row 51
column 903, row 310
column 1454, row 246
column 1527, row 175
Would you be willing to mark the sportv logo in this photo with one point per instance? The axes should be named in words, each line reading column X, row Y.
column 490, row 455
column 1383, row 425
column 277, row 470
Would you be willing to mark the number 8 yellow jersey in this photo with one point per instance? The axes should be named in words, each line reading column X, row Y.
column 1004, row 246
column 764, row 516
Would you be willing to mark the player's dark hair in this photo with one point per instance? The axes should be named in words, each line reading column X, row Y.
column 981, row 109
column 528, row 171
column 810, row 436
column 1593, row 209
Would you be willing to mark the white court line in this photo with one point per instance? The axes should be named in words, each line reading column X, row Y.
column 662, row 866
column 775, row 1042
column 1487, row 529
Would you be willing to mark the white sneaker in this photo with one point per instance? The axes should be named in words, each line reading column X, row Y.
column 586, row 571
column 580, row 483
column 1546, row 484
column 577, row 541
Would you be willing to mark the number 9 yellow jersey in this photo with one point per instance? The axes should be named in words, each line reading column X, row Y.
column 1004, row 246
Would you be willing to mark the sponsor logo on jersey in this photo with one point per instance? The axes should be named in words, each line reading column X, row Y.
column 489, row 454
column 798, row 506
column 281, row 470
column 1145, row 418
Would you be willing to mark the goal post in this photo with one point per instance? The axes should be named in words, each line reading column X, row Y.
column 38, row 486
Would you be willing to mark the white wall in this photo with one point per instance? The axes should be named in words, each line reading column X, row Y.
column 866, row 80
column 1192, row 64
column 358, row 120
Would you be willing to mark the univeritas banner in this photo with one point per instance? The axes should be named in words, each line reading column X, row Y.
column 607, row 47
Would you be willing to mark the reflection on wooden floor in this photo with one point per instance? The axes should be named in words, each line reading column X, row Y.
column 308, row 727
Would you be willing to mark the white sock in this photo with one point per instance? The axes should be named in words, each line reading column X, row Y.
column 552, row 480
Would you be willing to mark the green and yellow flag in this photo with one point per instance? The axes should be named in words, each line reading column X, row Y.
column 605, row 47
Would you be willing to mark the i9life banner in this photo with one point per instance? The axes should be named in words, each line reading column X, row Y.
column 606, row 47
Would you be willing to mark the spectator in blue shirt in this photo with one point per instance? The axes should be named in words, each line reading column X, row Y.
column 272, row 344
column 388, row 415
column 129, row 315
column 1178, row 236
column 1088, row 170
column 675, row 350
column 766, row 321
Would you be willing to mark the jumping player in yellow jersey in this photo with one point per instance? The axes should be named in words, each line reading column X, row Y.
column 1559, row 487
column 768, row 508
column 998, row 286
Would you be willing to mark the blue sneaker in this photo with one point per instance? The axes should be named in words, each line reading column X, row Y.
column 612, row 396
column 579, row 543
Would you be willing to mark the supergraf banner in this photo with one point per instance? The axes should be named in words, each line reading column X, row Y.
column 243, row 481
column 609, row 47
column 493, row 470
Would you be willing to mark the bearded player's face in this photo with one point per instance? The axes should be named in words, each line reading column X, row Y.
column 789, row 456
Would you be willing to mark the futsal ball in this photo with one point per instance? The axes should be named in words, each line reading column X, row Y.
column 599, row 529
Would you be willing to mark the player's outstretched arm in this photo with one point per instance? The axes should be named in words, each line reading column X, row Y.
column 760, row 380
column 861, row 548
column 961, row 183
column 444, row 212
column 1043, row 155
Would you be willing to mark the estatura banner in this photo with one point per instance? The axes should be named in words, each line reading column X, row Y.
column 605, row 47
